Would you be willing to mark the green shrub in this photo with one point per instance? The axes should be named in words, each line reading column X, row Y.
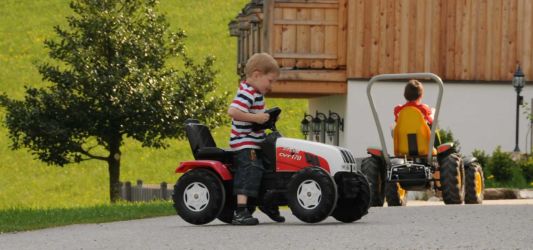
column 501, row 165
column 527, row 168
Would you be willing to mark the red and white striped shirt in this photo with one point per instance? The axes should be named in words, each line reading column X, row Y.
column 247, row 100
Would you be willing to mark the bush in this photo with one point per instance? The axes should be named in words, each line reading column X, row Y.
column 501, row 165
column 527, row 168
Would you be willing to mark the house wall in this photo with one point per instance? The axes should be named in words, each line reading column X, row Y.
column 480, row 118
column 456, row 39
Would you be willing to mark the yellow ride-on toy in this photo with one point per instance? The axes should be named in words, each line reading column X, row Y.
column 416, row 164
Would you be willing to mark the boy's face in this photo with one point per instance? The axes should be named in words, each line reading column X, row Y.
column 263, row 82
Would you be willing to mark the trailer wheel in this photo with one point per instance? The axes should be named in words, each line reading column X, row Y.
column 352, row 209
column 374, row 170
column 452, row 179
column 474, row 183
column 396, row 195
column 199, row 196
column 312, row 194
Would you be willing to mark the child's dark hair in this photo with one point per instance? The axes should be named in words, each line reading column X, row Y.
column 413, row 90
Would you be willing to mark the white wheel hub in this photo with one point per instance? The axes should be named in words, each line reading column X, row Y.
column 309, row 194
column 196, row 196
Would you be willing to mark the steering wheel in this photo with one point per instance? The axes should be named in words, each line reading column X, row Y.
column 271, row 123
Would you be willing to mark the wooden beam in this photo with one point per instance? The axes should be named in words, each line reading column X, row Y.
column 313, row 75
column 306, row 22
column 308, row 5
column 306, row 87
column 304, row 56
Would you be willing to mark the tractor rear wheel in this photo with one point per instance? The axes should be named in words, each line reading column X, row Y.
column 452, row 179
column 474, row 183
column 312, row 194
column 396, row 195
column 374, row 170
column 199, row 196
column 352, row 209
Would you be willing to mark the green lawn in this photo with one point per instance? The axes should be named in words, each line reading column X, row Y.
column 27, row 183
column 23, row 219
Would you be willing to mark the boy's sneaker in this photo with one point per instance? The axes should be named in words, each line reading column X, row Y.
column 272, row 213
column 244, row 218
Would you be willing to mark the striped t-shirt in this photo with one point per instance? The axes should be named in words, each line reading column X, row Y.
column 247, row 100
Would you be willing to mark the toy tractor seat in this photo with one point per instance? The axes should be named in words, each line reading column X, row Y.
column 411, row 133
column 203, row 145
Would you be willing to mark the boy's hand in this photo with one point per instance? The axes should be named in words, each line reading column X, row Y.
column 261, row 118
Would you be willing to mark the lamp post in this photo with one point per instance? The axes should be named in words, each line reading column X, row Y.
column 334, row 125
column 319, row 127
column 304, row 124
column 518, row 84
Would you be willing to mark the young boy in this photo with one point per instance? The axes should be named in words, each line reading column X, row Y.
column 247, row 108
column 413, row 94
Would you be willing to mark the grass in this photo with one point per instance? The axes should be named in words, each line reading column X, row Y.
column 29, row 183
column 24, row 219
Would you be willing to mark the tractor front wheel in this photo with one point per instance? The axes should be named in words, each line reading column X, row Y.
column 350, row 209
column 396, row 195
column 474, row 183
column 312, row 194
column 199, row 196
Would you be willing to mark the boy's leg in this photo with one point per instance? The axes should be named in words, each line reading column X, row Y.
column 268, row 207
column 246, row 183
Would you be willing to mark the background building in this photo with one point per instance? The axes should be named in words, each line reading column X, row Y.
column 329, row 49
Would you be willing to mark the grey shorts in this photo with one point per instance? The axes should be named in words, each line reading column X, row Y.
column 249, row 171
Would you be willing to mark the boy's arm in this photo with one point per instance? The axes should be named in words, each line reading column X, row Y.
column 239, row 115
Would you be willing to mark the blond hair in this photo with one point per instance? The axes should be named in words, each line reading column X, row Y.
column 262, row 62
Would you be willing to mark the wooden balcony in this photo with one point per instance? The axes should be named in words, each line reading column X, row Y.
column 307, row 38
column 322, row 43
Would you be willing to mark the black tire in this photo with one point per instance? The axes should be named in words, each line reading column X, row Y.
column 396, row 195
column 191, row 188
column 352, row 209
column 312, row 194
column 474, row 183
column 374, row 169
column 452, row 179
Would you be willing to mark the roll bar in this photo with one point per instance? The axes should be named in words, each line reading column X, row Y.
column 405, row 76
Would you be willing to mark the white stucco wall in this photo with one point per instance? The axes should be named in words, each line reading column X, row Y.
column 481, row 116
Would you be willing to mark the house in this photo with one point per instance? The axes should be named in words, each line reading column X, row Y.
column 329, row 49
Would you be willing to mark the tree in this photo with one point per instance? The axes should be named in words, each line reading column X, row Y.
column 111, row 80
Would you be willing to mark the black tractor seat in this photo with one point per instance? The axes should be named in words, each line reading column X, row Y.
column 203, row 145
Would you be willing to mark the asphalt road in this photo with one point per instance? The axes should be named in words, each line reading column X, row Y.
column 421, row 225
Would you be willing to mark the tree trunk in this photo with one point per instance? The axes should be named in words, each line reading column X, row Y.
column 114, row 171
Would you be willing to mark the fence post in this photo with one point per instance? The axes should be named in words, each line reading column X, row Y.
column 128, row 191
column 139, row 191
column 164, row 191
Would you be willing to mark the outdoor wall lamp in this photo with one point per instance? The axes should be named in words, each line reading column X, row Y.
column 334, row 125
column 518, row 84
column 319, row 126
column 304, row 124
